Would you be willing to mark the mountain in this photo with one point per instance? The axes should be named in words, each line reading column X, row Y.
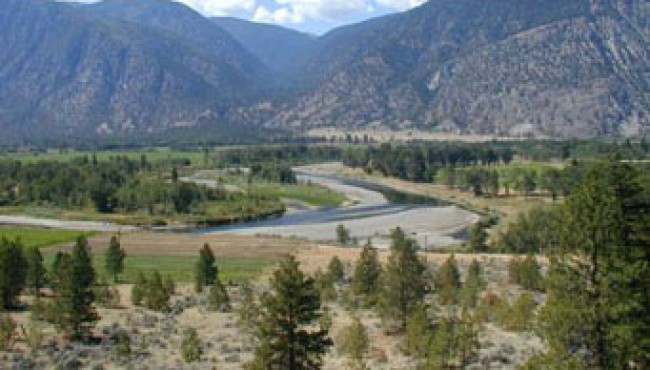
column 117, row 66
column 279, row 48
column 508, row 67
column 550, row 68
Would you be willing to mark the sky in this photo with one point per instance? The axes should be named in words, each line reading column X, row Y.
column 312, row 16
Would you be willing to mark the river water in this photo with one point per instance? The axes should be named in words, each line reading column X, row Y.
column 375, row 211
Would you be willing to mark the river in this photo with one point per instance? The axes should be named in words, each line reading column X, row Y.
column 376, row 211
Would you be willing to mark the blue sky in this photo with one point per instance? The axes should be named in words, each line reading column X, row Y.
column 313, row 16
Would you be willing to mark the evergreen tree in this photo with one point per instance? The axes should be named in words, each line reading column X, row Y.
column 447, row 281
column 36, row 272
column 335, row 270
column 473, row 285
column 478, row 238
column 405, row 280
column 73, row 305
column 115, row 258
column 526, row 272
column 138, row 289
column 441, row 350
column 13, row 268
column 156, row 297
column 466, row 333
column 598, row 308
column 286, row 334
column 206, row 268
column 418, row 333
column 343, row 235
column 367, row 273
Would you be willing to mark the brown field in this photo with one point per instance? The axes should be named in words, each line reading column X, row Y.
column 182, row 244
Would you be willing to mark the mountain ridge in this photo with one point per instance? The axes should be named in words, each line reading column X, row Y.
column 503, row 67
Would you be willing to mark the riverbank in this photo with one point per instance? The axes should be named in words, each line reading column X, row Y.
column 372, row 216
column 506, row 208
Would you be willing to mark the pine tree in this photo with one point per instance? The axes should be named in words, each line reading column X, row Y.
column 598, row 308
column 367, row 273
column 478, row 238
column 156, row 297
column 138, row 289
column 286, row 335
column 473, row 285
column 335, row 270
column 115, row 258
column 36, row 272
column 405, row 280
column 73, row 305
column 526, row 272
column 343, row 235
column 442, row 346
column 206, row 268
column 13, row 268
column 418, row 333
column 466, row 334
column 447, row 281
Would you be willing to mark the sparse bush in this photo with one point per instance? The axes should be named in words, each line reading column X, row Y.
column 249, row 309
column 34, row 335
column 355, row 343
column 150, row 292
column 106, row 295
column 122, row 344
column 8, row 333
column 191, row 348
column 218, row 298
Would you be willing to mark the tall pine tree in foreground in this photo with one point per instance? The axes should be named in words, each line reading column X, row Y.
column 598, row 310
column 12, row 272
column 115, row 258
column 206, row 268
column 35, row 278
column 288, row 339
column 365, row 281
column 405, row 280
column 73, row 305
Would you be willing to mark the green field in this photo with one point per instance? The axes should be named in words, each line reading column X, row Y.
column 313, row 195
column 153, row 155
column 33, row 237
column 180, row 268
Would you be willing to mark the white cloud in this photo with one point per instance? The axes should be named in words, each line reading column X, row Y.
column 315, row 14
column 220, row 7
column 400, row 4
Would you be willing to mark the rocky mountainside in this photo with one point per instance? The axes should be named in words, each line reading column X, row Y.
column 115, row 67
column 281, row 49
column 508, row 67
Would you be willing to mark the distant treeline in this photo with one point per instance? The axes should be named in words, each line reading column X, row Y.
column 480, row 166
column 117, row 185
column 285, row 154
